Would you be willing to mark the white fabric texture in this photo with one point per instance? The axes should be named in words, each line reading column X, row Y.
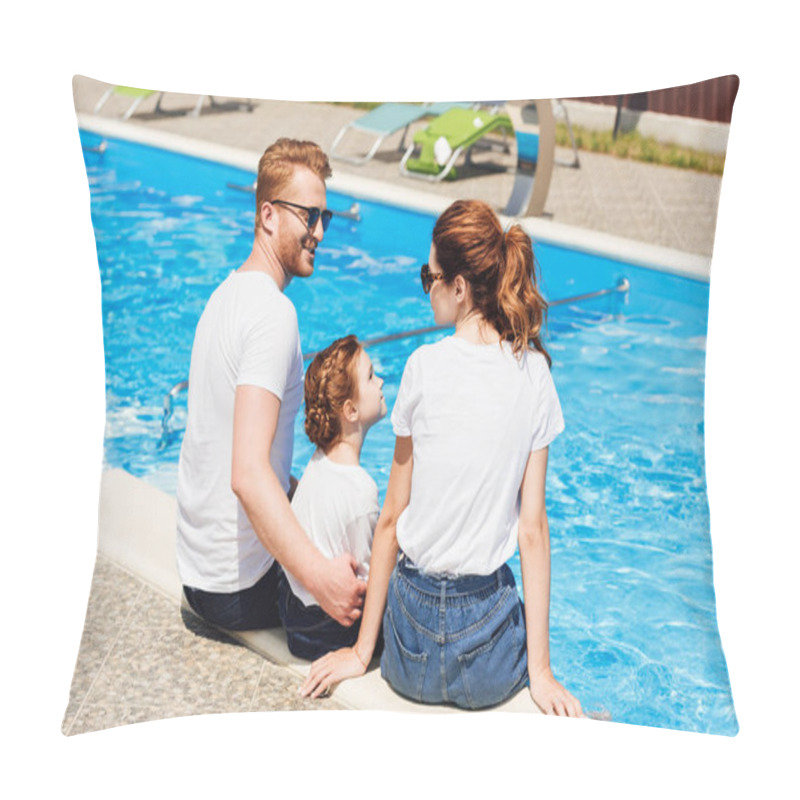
column 337, row 506
column 247, row 335
column 474, row 413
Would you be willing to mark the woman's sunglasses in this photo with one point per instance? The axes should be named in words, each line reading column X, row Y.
column 427, row 277
column 313, row 213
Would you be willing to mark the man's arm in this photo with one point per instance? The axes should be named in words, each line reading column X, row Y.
column 332, row 582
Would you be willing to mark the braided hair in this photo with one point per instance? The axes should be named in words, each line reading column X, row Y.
column 331, row 379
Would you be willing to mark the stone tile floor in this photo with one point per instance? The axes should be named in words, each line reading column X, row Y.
column 141, row 658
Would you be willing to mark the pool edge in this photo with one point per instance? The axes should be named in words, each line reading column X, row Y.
column 641, row 254
column 137, row 533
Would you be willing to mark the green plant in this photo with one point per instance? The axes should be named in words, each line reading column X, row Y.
column 634, row 146
column 630, row 145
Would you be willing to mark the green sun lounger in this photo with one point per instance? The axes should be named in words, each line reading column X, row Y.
column 446, row 138
column 383, row 121
column 138, row 96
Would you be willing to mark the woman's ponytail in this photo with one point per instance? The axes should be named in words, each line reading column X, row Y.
column 499, row 268
column 521, row 308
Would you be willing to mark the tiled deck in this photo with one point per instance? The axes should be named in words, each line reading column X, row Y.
column 142, row 658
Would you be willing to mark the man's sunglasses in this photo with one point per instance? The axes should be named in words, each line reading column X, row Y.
column 427, row 277
column 313, row 213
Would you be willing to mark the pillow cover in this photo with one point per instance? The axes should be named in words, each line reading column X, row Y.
column 626, row 272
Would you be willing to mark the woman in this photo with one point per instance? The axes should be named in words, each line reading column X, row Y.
column 474, row 416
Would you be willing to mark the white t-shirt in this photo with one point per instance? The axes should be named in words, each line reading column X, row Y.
column 337, row 506
column 247, row 335
column 474, row 413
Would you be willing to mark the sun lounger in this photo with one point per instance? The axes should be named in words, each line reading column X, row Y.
column 138, row 96
column 238, row 105
column 560, row 110
column 383, row 121
column 446, row 138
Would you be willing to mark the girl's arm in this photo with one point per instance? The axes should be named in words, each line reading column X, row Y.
column 534, row 555
column 349, row 662
column 253, row 480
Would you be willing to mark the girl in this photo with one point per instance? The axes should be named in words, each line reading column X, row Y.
column 474, row 416
column 336, row 500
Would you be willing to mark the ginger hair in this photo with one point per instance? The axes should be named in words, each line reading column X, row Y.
column 499, row 268
column 331, row 379
column 277, row 165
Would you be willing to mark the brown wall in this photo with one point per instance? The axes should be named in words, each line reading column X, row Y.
column 711, row 100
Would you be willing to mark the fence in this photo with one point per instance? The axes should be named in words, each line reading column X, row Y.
column 710, row 100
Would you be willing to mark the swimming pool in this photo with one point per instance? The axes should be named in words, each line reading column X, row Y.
column 633, row 623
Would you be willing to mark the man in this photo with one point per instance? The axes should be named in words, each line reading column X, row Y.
column 235, row 522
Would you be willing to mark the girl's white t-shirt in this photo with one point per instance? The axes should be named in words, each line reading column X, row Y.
column 337, row 506
column 474, row 414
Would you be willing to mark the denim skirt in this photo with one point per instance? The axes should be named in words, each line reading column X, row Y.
column 454, row 640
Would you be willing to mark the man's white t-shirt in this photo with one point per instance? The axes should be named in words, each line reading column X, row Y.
column 247, row 335
column 474, row 413
column 337, row 506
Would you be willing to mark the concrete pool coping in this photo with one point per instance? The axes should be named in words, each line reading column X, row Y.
column 137, row 532
column 641, row 254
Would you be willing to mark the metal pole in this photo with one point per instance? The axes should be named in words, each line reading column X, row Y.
column 622, row 286
column 618, row 117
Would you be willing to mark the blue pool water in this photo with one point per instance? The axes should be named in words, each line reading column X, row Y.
column 633, row 620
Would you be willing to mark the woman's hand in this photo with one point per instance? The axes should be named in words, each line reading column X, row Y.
column 330, row 669
column 552, row 697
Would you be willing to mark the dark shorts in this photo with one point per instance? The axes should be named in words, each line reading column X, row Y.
column 249, row 609
column 310, row 632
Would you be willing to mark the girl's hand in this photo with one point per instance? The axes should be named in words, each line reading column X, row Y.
column 330, row 669
column 552, row 697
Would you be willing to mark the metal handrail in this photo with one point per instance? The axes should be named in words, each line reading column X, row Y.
column 354, row 212
column 100, row 148
column 169, row 398
column 622, row 287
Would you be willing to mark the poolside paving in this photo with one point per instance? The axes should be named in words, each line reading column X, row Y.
column 665, row 206
column 141, row 658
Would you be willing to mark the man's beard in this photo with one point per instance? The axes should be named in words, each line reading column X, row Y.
column 309, row 243
column 292, row 255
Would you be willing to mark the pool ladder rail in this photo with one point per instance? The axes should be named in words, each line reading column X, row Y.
column 623, row 287
column 99, row 148
column 169, row 405
column 354, row 212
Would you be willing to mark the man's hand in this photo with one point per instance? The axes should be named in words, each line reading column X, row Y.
column 339, row 591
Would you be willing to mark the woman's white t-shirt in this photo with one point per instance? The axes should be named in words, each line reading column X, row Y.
column 474, row 413
column 337, row 506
